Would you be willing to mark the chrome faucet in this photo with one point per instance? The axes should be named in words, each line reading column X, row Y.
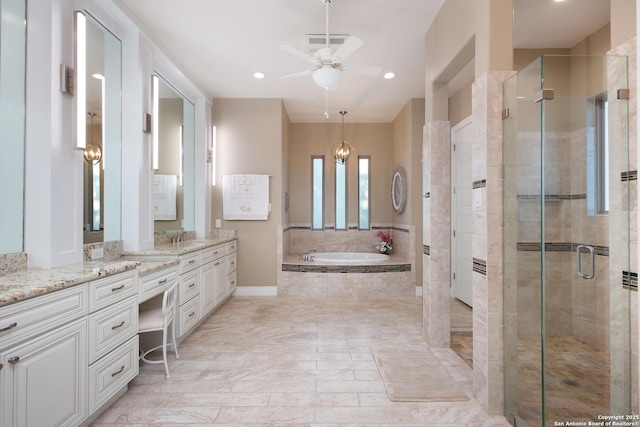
column 308, row 256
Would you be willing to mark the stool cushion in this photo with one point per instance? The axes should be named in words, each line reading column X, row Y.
column 150, row 320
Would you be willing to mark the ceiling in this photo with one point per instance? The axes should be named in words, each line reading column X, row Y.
column 220, row 44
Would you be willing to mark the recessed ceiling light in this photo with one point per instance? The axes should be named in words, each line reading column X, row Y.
column 389, row 75
column 258, row 75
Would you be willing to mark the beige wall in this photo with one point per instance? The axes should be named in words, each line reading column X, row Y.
column 460, row 104
column 623, row 21
column 368, row 139
column 462, row 31
column 407, row 146
column 250, row 141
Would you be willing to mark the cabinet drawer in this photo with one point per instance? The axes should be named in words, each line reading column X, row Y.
column 189, row 261
column 111, row 327
column 157, row 283
column 189, row 286
column 211, row 254
column 21, row 320
column 104, row 292
column 231, row 262
column 109, row 374
column 232, row 282
column 188, row 315
column 232, row 246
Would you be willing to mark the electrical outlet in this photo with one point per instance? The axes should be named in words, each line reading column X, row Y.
column 97, row 253
column 218, row 223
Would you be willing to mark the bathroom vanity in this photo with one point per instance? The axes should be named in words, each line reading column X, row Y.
column 68, row 335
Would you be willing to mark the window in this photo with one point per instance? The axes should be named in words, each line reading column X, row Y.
column 317, row 199
column 364, row 214
column 598, row 156
column 602, row 154
column 341, row 196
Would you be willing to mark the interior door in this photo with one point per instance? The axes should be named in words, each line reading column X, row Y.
column 461, row 211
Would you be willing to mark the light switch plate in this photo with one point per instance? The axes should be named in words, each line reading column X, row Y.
column 218, row 223
column 97, row 253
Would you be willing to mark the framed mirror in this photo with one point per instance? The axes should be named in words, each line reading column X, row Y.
column 12, row 123
column 174, row 178
column 102, row 157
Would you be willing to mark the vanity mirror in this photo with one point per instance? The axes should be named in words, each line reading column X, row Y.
column 174, row 177
column 102, row 156
column 12, row 106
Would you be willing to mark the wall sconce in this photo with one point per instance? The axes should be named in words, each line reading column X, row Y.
column 343, row 150
column 154, row 121
column 180, row 142
column 212, row 156
column 79, row 85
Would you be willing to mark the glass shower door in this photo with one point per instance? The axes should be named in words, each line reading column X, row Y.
column 567, row 312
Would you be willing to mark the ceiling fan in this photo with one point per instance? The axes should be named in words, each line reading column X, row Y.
column 329, row 63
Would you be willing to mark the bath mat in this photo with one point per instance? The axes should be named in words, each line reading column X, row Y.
column 414, row 374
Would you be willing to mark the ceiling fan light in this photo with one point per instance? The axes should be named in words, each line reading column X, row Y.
column 327, row 78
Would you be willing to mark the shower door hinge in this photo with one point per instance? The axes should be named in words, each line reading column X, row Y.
column 623, row 93
column 505, row 113
column 544, row 94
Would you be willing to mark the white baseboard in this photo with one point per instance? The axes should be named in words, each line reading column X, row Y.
column 256, row 291
column 418, row 291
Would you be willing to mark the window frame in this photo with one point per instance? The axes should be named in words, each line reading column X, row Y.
column 341, row 217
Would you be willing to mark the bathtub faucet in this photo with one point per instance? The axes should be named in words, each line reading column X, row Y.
column 308, row 256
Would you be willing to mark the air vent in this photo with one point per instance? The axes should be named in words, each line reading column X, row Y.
column 318, row 41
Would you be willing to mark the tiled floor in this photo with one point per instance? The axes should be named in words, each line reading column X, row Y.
column 292, row 361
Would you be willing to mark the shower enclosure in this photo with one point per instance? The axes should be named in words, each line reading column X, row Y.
column 570, row 294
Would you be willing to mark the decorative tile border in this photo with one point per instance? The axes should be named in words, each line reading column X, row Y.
column 630, row 280
column 479, row 184
column 324, row 268
column 629, row 176
column 552, row 196
column 480, row 266
column 426, row 249
column 559, row 247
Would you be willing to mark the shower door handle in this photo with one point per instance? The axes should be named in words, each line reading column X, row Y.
column 592, row 259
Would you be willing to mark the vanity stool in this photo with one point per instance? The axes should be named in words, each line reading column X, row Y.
column 159, row 319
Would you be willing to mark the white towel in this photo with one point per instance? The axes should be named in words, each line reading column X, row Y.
column 164, row 197
column 245, row 197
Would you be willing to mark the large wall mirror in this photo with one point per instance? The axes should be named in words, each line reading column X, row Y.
column 12, row 123
column 102, row 157
column 174, row 178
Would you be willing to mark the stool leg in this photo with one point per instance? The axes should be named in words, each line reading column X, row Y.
column 173, row 337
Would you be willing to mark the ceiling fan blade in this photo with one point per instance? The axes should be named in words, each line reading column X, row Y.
column 348, row 47
column 294, row 75
column 362, row 69
column 300, row 54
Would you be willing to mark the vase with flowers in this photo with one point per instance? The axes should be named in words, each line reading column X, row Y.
column 385, row 243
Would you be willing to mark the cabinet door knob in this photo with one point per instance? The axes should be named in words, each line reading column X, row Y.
column 14, row 360
column 11, row 326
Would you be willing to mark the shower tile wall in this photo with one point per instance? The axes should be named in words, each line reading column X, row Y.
column 623, row 217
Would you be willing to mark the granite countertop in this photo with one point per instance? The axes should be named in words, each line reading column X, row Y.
column 24, row 284
column 169, row 249
column 31, row 282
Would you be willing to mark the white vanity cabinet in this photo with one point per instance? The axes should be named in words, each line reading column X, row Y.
column 231, row 267
column 43, row 359
column 204, row 278
column 188, row 292
column 113, row 336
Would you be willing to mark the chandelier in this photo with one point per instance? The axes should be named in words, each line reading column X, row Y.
column 92, row 152
column 343, row 150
